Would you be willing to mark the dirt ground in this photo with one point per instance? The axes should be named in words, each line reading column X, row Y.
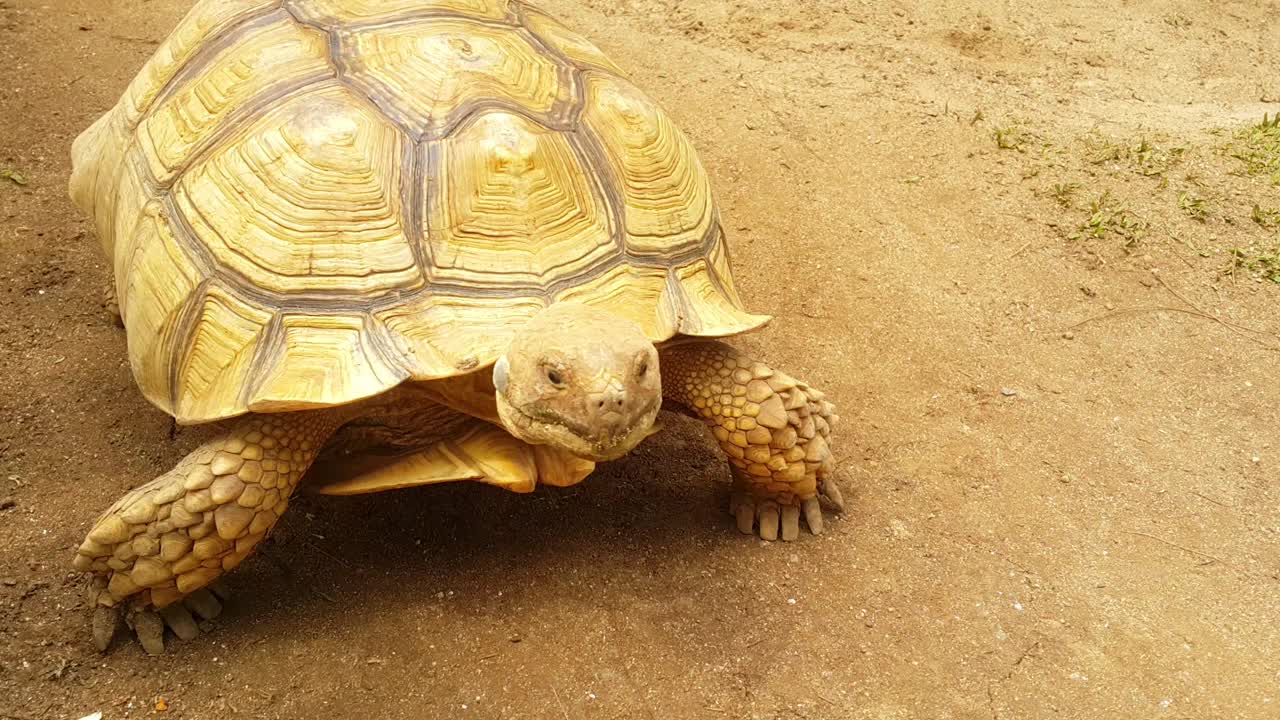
column 1013, row 242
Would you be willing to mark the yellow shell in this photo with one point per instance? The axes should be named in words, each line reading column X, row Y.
column 309, row 202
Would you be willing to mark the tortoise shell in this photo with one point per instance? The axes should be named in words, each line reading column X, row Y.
column 309, row 202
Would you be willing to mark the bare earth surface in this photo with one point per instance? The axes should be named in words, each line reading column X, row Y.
column 1010, row 242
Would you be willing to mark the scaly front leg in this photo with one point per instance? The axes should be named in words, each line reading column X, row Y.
column 164, row 541
column 774, row 428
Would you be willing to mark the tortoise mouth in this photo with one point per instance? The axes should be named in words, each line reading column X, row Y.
column 541, row 427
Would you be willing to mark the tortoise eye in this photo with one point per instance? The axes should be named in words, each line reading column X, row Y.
column 643, row 368
column 554, row 376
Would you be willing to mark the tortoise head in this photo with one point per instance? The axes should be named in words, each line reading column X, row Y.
column 580, row 378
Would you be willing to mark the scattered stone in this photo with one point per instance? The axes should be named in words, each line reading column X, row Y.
column 899, row 529
column 1008, row 392
column 59, row 671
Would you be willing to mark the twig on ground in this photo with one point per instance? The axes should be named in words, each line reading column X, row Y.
column 1206, row 497
column 1175, row 545
column 1215, row 318
column 563, row 711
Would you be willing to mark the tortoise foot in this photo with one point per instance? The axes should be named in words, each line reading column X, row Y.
column 161, row 543
column 780, row 517
column 773, row 519
column 774, row 429
column 148, row 623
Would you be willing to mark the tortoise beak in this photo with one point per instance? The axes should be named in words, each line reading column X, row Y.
column 600, row 443
column 621, row 435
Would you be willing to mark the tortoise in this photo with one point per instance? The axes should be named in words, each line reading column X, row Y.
column 410, row 241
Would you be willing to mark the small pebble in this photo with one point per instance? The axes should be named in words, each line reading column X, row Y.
column 1008, row 392
column 6, row 503
column 1068, row 335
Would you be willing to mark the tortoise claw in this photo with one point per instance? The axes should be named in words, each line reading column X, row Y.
column 790, row 523
column 179, row 619
column 813, row 514
column 831, row 493
column 149, row 623
column 106, row 623
column 204, row 603
column 219, row 589
column 744, row 511
column 149, row 628
column 767, row 517
column 771, row 520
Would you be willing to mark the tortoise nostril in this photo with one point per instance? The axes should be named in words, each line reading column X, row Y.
column 609, row 402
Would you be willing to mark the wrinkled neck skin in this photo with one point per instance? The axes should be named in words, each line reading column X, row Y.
column 582, row 379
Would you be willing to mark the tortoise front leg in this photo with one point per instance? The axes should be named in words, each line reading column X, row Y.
column 165, row 540
column 775, row 430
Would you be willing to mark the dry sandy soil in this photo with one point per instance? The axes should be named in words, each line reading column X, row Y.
column 1010, row 240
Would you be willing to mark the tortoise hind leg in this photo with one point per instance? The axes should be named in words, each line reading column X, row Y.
column 111, row 303
column 165, row 540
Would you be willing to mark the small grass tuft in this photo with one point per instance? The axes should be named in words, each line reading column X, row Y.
column 1259, row 263
column 1063, row 192
column 1009, row 138
column 1193, row 206
column 1258, row 148
column 1107, row 217
column 1267, row 219
column 1144, row 157
column 1017, row 135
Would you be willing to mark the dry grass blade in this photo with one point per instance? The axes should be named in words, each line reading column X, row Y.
column 1251, row 334
column 1176, row 545
column 1225, row 323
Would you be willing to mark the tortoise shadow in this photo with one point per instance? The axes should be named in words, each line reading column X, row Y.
column 664, row 503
